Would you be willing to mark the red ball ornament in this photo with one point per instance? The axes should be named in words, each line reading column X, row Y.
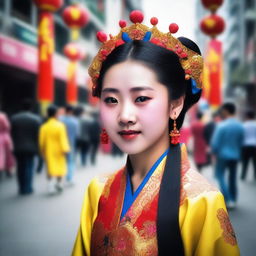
column 136, row 16
column 154, row 21
column 212, row 25
column 48, row 5
column 122, row 23
column 73, row 52
column 101, row 36
column 173, row 28
column 212, row 5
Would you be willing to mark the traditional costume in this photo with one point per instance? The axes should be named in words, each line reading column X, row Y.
column 116, row 222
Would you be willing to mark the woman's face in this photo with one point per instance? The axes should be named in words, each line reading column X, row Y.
column 134, row 107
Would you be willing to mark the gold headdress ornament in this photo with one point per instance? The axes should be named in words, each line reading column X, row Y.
column 191, row 61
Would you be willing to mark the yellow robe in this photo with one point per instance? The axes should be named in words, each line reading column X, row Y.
column 204, row 222
column 53, row 142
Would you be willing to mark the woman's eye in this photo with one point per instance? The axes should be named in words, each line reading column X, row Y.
column 142, row 99
column 110, row 100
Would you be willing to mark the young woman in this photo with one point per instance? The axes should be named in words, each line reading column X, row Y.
column 156, row 204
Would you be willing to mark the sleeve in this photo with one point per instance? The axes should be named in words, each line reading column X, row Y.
column 207, row 229
column 216, row 139
column 88, row 215
column 64, row 139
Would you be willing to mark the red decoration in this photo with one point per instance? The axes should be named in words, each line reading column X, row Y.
column 212, row 5
column 75, row 16
column 174, row 134
column 104, row 137
column 48, row 5
column 173, row 28
column 136, row 16
column 212, row 25
column 102, row 36
column 73, row 52
column 154, row 21
column 122, row 23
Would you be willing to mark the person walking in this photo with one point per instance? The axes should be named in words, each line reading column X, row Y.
column 6, row 147
column 54, row 146
column 200, row 146
column 226, row 146
column 25, row 128
column 249, row 144
column 71, row 125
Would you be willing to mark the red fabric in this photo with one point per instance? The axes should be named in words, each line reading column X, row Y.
column 200, row 146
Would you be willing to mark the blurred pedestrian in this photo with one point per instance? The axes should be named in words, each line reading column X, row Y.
column 6, row 147
column 71, row 125
column 199, row 146
column 54, row 146
column 226, row 145
column 94, row 134
column 84, row 138
column 249, row 144
column 25, row 130
column 210, row 127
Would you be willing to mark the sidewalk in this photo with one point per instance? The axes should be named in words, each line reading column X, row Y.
column 42, row 225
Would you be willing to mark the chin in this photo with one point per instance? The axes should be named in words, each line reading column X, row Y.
column 131, row 148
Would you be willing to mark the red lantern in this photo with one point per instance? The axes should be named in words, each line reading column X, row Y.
column 72, row 51
column 48, row 5
column 212, row 5
column 212, row 25
column 75, row 16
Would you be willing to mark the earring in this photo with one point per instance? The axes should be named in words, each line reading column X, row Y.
column 104, row 137
column 174, row 134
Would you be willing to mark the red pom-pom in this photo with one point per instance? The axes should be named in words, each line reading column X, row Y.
column 183, row 55
column 122, row 23
column 119, row 42
column 154, row 21
column 102, row 36
column 173, row 28
column 136, row 16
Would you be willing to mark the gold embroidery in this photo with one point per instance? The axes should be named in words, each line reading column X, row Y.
column 228, row 232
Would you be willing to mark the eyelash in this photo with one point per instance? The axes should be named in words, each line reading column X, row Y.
column 111, row 100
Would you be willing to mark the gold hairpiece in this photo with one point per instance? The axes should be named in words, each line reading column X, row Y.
column 191, row 62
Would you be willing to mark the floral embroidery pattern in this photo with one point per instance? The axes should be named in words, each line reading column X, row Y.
column 228, row 232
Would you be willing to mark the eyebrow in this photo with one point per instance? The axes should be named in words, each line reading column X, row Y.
column 134, row 89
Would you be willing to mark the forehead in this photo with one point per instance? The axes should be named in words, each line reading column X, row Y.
column 129, row 73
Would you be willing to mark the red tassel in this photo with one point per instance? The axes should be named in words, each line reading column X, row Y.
column 174, row 134
column 104, row 137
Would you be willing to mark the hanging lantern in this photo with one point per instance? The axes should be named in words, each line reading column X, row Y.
column 73, row 52
column 212, row 5
column 48, row 5
column 75, row 17
column 212, row 25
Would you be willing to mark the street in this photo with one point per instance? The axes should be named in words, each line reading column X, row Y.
column 39, row 225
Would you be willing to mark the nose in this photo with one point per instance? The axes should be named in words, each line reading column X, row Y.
column 127, row 115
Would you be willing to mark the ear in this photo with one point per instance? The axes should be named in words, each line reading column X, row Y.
column 176, row 106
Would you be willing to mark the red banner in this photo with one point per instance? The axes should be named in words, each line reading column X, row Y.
column 213, row 73
column 45, row 52
column 71, row 83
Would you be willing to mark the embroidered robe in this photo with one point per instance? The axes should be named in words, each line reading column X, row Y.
column 203, row 218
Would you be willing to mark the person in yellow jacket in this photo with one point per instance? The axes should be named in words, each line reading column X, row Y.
column 54, row 146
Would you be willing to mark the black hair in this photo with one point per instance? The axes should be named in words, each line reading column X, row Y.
column 52, row 110
column 229, row 107
column 199, row 115
column 27, row 104
column 163, row 62
column 69, row 108
column 250, row 114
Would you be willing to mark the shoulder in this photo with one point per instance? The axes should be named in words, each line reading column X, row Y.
column 195, row 186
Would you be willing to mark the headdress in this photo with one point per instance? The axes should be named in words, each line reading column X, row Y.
column 191, row 62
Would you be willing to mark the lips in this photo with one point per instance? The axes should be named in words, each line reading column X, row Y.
column 129, row 134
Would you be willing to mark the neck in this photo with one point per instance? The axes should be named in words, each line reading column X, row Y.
column 143, row 161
